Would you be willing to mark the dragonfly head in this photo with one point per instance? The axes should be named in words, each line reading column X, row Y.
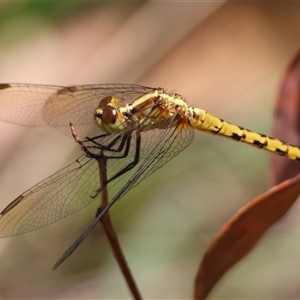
column 107, row 116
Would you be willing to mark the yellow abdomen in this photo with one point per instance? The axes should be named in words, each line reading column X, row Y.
column 203, row 120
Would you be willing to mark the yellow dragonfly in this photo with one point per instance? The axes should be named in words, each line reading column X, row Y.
column 136, row 129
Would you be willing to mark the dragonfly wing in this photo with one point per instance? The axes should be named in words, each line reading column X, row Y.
column 76, row 185
column 169, row 143
column 23, row 103
column 37, row 105
column 54, row 198
column 158, row 147
column 77, row 105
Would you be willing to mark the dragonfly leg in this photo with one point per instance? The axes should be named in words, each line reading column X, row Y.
column 130, row 165
column 102, row 147
column 81, row 144
column 88, row 139
column 136, row 159
column 110, row 146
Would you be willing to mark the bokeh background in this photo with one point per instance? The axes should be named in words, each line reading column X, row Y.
column 226, row 57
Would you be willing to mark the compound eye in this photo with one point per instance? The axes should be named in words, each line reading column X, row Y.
column 103, row 102
column 109, row 115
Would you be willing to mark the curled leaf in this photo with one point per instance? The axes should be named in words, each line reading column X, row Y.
column 241, row 233
column 286, row 124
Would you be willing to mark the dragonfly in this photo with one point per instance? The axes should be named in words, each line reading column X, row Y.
column 135, row 129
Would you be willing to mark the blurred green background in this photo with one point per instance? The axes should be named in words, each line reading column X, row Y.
column 225, row 57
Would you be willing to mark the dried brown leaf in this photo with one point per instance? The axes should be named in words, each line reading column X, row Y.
column 241, row 233
column 286, row 124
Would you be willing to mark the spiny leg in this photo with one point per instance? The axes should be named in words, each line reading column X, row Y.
column 129, row 166
column 136, row 159
column 109, row 146
column 125, row 141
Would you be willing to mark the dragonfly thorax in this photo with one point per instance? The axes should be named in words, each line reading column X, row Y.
column 156, row 109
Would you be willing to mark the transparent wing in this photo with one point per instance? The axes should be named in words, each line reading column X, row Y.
column 168, row 144
column 36, row 105
column 70, row 189
column 59, row 195
column 23, row 103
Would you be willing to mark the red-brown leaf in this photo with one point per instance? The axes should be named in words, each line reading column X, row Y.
column 242, row 232
column 286, row 124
